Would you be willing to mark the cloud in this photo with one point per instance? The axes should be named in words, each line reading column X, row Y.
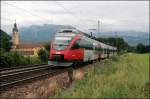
column 114, row 15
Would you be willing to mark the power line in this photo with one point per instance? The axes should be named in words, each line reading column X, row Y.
column 59, row 4
column 73, row 14
column 26, row 11
column 6, row 19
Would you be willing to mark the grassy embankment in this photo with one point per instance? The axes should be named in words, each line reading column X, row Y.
column 124, row 76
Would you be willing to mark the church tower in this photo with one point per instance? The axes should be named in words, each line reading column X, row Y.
column 15, row 35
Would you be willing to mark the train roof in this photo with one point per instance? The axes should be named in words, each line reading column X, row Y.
column 69, row 30
column 103, row 45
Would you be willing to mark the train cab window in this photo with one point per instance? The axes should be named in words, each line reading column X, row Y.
column 75, row 45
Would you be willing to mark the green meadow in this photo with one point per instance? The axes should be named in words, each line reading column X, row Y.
column 123, row 76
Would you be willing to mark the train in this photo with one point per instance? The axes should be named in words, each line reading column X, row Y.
column 71, row 46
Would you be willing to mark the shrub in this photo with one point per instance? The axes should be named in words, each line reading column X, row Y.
column 43, row 55
column 11, row 59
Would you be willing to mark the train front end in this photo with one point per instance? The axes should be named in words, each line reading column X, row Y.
column 61, row 53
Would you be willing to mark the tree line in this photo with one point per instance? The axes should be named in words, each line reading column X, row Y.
column 141, row 48
column 123, row 46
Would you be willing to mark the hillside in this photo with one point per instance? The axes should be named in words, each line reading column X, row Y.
column 131, row 37
column 37, row 33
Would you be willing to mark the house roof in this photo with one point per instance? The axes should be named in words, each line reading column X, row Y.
column 26, row 52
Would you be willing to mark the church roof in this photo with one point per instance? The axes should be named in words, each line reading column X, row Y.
column 25, row 52
column 29, row 45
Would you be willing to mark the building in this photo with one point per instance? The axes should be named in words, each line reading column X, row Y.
column 25, row 49
column 15, row 35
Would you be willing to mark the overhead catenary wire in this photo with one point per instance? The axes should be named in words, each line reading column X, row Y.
column 43, row 18
column 72, row 13
column 6, row 18
column 68, row 11
column 27, row 12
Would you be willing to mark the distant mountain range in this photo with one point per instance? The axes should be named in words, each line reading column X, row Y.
column 45, row 33
column 131, row 37
column 38, row 33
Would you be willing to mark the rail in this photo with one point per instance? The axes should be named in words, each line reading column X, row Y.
column 17, row 67
column 13, row 76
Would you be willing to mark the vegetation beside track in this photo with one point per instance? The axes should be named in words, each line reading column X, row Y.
column 12, row 59
column 124, row 76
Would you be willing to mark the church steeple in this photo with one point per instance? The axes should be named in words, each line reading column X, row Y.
column 15, row 29
column 15, row 34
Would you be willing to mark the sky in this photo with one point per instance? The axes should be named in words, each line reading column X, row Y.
column 84, row 15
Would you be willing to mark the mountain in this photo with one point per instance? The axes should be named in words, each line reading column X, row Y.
column 131, row 37
column 37, row 33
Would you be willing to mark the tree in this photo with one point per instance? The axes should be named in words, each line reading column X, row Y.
column 147, row 48
column 140, row 48
column 43, row 55
column 47, row 46
column 5, row 41
column 121, row 45
column 10, row 59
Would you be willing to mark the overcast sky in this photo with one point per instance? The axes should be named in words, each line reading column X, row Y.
column 84, row 15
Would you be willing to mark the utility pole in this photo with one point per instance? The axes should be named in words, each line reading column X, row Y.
column 98, row 26
column 91, row 33
column 116, row 42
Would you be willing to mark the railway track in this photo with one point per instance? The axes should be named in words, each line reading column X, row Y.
column 11, row 77
column 18, row 76
column 19, row 67
column 21, row 70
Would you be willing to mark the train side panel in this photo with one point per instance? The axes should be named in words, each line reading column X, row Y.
column 77, row 54
column 79, row 48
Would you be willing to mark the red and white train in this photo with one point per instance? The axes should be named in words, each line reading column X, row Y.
column 69, row 47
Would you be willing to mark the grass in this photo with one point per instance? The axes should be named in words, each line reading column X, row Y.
column 124, row 76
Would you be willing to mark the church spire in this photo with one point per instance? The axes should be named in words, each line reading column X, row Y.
column 15, row 29
column 15, row 34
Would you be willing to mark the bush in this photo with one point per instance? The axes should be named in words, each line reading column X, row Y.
column 35, row 60
column 43, row 55
column 11, row 59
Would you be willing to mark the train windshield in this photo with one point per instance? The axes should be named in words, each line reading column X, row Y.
column 62, row 40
